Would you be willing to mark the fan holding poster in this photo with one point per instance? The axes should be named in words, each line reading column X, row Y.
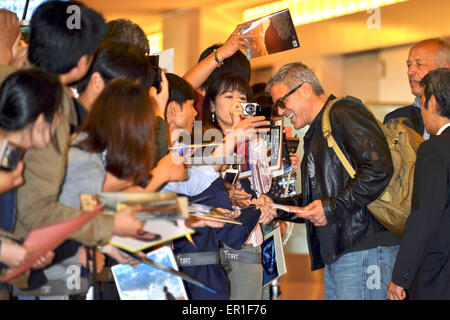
column 274, row 33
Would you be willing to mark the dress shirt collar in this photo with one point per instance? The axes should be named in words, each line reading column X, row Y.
column 445, row 126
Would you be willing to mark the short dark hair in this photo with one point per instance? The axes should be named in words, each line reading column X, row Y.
column 122, row 123
column 25, row 94
column 437, row 84
column 115, row 60
column 54, row 46
column 218, row 86
column 180, row 90
column 237, row 63
column 128, row 31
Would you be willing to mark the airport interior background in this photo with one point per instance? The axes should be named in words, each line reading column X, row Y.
column 355, row 47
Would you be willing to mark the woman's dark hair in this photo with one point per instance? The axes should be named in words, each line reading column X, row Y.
column 224, row 82
column 26, row 94
column 55, row 44
column 437, row 84
column 115, row 60
column 237, row 63
column 122, row 123
column 180, row 90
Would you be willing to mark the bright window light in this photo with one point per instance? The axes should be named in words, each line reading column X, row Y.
column 156, row 42
column 307, row 11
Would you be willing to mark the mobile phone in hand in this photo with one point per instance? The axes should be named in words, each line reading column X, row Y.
column 10, row 155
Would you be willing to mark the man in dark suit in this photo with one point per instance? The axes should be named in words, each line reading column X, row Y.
column 423, row 263
column 423, row 57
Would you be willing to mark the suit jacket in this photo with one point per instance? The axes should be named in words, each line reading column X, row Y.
column 423, row 262
column 410, row 112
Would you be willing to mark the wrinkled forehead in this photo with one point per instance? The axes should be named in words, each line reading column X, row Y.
column 425, row 52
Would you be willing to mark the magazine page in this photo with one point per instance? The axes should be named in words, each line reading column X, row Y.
column 274, row 265
column 155, row 205
column 274, row 33
column 156, row 231
column 166, row 60
column 208, row 213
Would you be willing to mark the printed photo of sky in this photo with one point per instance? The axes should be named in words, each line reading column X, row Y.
column 146, row 282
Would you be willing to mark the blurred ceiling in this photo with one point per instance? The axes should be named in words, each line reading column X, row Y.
column 148, row 6
column 148, row 13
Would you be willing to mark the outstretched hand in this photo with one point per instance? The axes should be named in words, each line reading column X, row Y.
column 126, row 224
column 234, row 43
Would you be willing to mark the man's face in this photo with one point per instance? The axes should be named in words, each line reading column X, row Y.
column 421, row 60
column 297, row 109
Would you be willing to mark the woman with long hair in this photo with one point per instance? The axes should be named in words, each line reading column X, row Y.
column 30, row 104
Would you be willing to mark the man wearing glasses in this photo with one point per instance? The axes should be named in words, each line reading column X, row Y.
column 356, row 251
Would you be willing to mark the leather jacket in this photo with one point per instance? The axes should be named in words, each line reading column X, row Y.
column 323, row 177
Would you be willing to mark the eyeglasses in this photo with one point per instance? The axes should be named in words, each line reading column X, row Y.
column 280, row 102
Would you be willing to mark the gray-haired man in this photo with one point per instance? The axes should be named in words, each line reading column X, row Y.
column 357, row 252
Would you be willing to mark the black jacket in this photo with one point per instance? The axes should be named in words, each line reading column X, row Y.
column 324, row 177
column 423, row 262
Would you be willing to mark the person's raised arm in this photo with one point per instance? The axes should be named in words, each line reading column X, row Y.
column 198, row 74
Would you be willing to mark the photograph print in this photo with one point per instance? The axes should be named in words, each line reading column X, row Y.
column 148, row 283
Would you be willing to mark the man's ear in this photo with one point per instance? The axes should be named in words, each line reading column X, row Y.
column 38, row 125
column 172, row 110
column 432, row 105
column 79, row 71
column 97, row 82
column 307, row 90
column 84, row 64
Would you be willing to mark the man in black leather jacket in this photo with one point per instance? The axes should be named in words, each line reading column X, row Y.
column 357, row 252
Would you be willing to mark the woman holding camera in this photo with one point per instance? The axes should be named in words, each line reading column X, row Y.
column 223, row 110
column 30, row 102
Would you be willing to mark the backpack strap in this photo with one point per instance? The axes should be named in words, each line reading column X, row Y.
column 327, row 134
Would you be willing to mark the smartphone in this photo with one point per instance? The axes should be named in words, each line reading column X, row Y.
column 10, row 155
column 292, row 144
column 231, row 176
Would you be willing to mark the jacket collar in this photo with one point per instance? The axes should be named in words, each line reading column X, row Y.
column 317, row 123
column 445, row 128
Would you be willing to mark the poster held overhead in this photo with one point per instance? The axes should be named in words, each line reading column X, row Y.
column 274, row 33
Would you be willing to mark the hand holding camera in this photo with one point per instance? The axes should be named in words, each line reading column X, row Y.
column 237, row 112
